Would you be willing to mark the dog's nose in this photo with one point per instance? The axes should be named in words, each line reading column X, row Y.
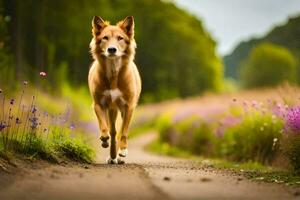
column 112, row 50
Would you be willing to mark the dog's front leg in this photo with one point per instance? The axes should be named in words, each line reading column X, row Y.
column 103, row 125
column 126, row 116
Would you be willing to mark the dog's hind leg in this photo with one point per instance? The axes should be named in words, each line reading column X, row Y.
column 103, row 124
column 113, row 149
column 126, row 115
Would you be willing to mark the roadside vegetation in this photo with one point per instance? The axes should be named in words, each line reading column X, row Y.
column 48, row 134
column 259, row 137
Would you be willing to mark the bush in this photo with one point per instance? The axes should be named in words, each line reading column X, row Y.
column 190, row 135
column 254, row 139
column 268, row 65
column 164, row 126
column 292, row 151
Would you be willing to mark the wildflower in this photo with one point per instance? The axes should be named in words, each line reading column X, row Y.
column 293, row 119
column 34, row 110
column 43, row 74
column 72, row 126
column 18, row 121
column 34, row 122
column 278, row 105
column 12, row 101
column 2, row 126
column 25, row 82
column 274, row 142
column 254, row 103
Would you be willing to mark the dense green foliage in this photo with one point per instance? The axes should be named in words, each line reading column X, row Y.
column 291, row 148
column 6, row 70
column 268, row 65
column 176, row 56
column 190, row 134
column 253, row 139
column 286, row 35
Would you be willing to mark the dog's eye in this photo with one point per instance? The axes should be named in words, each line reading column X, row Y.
column 105, row 38
column 120, row 38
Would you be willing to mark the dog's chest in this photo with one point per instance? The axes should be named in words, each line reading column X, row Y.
column 112, row 96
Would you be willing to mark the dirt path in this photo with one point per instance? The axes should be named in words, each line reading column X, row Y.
column 146, row 176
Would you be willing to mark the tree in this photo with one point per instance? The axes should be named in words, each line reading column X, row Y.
column 268, row 65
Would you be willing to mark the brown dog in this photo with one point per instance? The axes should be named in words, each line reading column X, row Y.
column 114, row 80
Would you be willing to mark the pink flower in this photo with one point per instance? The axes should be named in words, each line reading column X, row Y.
column 43, row 74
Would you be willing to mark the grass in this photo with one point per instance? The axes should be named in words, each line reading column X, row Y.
column 74, row 148
column 57, row 145
column 258, row 172
column 29, row 130
column 253, row 138
column 251, row 170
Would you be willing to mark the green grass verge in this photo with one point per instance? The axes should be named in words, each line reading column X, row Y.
column 251, row 170
column 58, row 145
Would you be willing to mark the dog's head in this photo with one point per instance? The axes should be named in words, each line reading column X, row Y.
column 112, row 41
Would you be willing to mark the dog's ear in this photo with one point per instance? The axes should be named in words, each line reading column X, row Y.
column 98, row 25
column 128, row 26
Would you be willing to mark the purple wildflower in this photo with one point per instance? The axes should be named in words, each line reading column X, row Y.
column 12, row 101
column 18, row 121
column 34, row 122
column 2, row 126
column 254, row 103
column 72, row 126
column 34, row 110
column 293, row 119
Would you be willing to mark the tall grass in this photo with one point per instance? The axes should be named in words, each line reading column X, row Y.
column 255, row 138
column 27, row 130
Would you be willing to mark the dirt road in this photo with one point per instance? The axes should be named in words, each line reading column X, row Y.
column 145, row 176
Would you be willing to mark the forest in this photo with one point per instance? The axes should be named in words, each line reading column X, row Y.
column 176, row 55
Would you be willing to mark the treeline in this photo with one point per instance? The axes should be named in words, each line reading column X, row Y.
column 268, row 60
column 176, row 55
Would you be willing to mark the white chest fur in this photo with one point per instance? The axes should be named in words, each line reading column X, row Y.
column 114, row 94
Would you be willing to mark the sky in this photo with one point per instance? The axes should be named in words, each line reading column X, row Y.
column 232, row 21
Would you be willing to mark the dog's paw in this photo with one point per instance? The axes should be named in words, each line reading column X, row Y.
column 123, row 152
column 104, row 141
column 120, row 161
column 109, row 160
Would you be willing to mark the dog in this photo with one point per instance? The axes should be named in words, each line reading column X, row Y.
column 114, row 81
